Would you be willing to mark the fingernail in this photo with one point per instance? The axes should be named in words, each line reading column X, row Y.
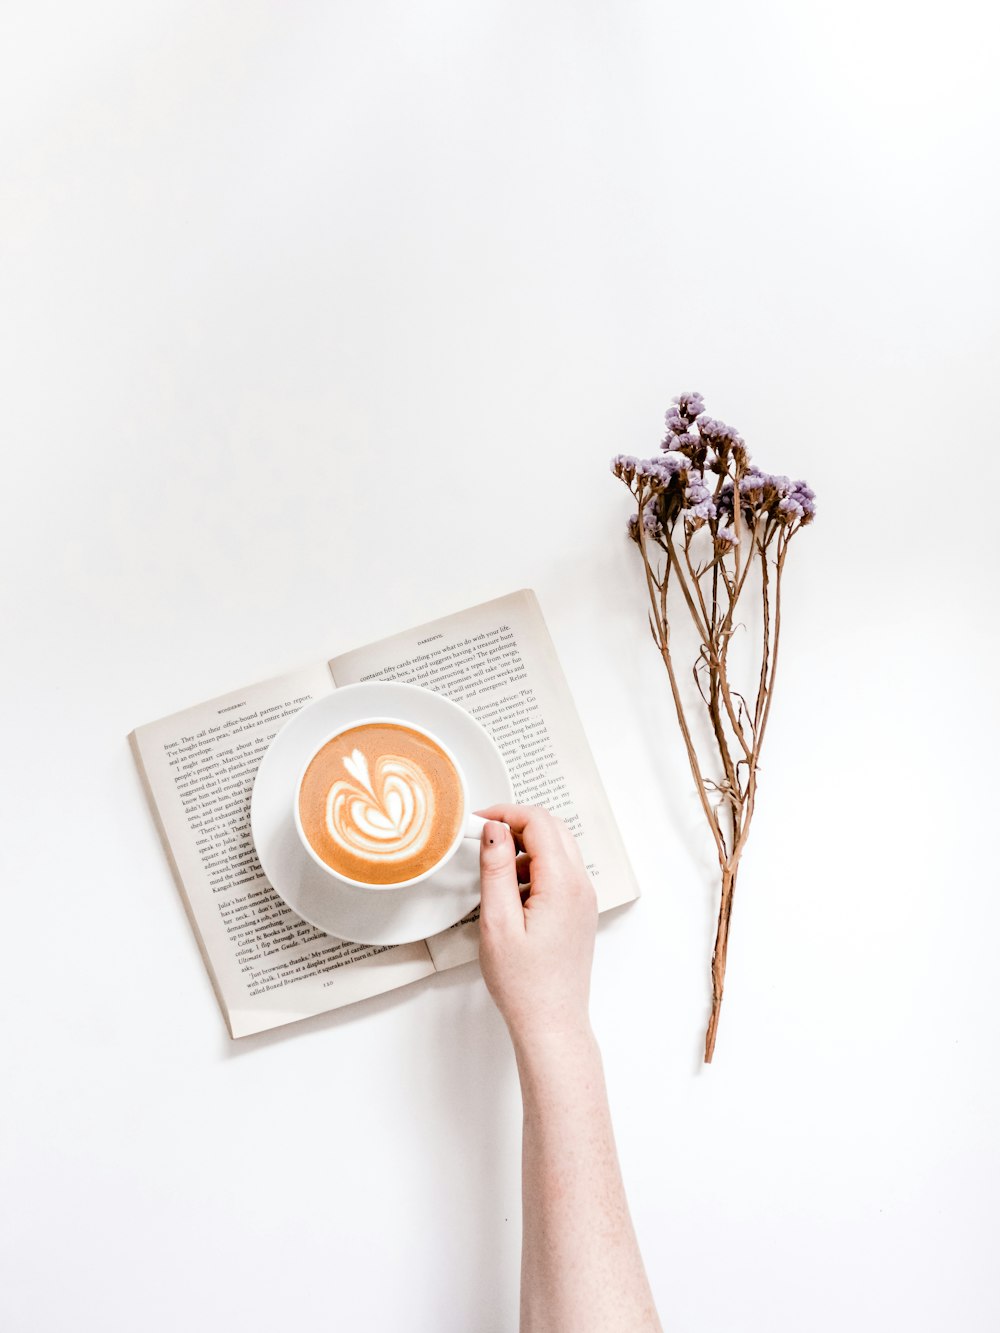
column 493, row 833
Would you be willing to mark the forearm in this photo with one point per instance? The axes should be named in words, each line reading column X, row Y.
column 581, row 1269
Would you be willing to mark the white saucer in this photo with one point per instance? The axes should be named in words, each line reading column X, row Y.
column 371, row 916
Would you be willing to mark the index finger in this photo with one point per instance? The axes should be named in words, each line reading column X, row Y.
column 537, row 831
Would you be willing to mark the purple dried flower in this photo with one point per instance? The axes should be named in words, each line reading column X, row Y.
column 806, row 498
column 658, row 473
column 623, row 465
column 697, row 446
column 696, row 489
column 651, row 522
column 690, row 405
column 698, row 503
column 753, row 495
column 653, row 473
column 725, row 537
column 798, row 501
column 674, row 461
column 718, row 434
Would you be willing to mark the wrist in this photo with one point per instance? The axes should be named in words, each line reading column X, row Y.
column 540, row 1049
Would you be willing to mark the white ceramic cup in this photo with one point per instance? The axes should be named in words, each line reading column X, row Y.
column 470, row 825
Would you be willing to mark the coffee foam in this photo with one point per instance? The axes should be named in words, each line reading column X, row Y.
column 387, row 814
column 381, row 803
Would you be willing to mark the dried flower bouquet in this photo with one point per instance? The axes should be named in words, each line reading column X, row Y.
column 706, row 520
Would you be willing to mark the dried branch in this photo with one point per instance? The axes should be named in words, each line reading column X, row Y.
column 747, row 512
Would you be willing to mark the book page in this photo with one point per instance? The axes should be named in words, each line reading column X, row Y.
column 267, row 965
column 498, row 661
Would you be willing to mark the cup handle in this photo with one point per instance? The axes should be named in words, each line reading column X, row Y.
column 474, row 826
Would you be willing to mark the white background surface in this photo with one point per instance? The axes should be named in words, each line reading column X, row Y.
column 320, row 320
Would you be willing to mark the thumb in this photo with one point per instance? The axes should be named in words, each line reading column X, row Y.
column 501, row 903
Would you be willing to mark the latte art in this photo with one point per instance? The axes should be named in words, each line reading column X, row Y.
column 386, row 813
column 381, row 803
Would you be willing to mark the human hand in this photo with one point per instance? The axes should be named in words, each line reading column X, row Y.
column 536, row 957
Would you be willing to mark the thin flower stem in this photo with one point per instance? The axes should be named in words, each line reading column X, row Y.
column 719, row 955
column 714, row 658
column 652, row 585
column 782, row 552
column 727, row 631
column 701, row 625
column 751, row 795
column 713, row 703
column 766, row 597
column 740, row 579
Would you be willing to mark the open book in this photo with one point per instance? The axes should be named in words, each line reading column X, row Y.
column 267, row 965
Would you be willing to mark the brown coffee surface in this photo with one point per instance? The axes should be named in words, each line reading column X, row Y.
column 381, row 803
